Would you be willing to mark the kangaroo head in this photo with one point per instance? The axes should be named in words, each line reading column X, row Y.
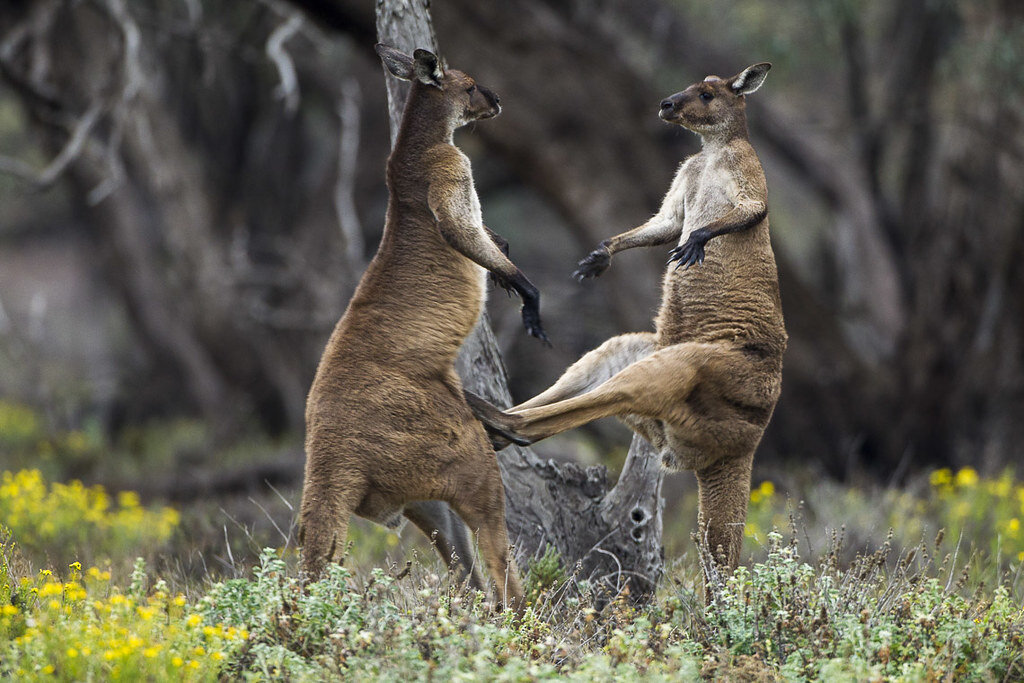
column 460, row 97
column 714, row 105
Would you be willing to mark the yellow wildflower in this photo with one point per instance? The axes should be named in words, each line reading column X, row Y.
column 128, row 499
column 967, row 477
column 941, row 477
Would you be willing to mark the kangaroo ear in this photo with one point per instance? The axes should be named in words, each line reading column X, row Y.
column 398, row 63
column 750, row 79
column 427, row 68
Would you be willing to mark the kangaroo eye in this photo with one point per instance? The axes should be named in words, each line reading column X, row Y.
column 471, row 88
column 706, row 96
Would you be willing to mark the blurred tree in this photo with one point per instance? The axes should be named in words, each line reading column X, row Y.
column 892, row 139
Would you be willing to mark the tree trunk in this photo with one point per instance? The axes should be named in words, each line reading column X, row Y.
column 613, row 536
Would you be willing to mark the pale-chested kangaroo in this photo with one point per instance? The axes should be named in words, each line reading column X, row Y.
column 702, row 387
column 386, row 422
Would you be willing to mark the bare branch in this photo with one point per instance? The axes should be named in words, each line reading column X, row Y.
column 72, row 150
column 288, row 89
column 344, row 191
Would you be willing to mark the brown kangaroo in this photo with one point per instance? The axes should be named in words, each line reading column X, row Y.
column 703, row 386
column 386, row 422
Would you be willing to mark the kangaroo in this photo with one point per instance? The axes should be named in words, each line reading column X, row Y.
column 702, row 387
column 387, row 426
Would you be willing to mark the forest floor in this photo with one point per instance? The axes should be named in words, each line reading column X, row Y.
column 839, row 582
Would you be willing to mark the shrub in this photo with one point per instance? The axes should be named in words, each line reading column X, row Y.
column 86, row 628
column 72, row 522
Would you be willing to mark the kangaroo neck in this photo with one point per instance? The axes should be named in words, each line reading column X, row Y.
column 711, row 138
column 423, row 124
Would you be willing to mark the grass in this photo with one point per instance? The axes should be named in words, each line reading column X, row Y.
column 921, row 583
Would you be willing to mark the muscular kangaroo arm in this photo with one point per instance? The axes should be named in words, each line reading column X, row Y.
column 743, row 216
column 665, row 226
column 660, row 229
column 451, row 204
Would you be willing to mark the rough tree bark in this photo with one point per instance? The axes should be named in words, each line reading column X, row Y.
column 614, row 536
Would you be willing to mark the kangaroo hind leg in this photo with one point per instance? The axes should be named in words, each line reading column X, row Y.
column 481, row 504
column 324, row 520
column 586, row 374
column 595, row 368
column 450, row 536
column 653, row 387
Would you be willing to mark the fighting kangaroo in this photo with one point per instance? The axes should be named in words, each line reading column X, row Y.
column 703, row 386
column 386, row 422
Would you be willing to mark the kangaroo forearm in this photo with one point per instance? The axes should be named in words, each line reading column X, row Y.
column 741, row 217
column 477, row 243
column 650, row 234
column 498, row 240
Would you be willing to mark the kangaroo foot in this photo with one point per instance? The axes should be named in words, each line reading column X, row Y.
column 495, row 422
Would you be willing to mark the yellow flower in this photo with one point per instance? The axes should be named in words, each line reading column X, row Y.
column 967, row 477
column 8, row 610
column 941, row 477
column 151, row 652
column 72, row 653
column 128, row 499
column 1013, row 527
column 49, row 589
column 194, row 620
column 177, row 661
column 767, row 489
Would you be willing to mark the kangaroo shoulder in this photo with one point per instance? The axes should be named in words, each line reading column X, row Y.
column 445, row 162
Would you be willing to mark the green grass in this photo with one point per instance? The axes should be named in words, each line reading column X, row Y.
column 920, row 583
column 886, row 615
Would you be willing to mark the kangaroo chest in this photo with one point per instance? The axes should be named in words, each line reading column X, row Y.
column 708, row 191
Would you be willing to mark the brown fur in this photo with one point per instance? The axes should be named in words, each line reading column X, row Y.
column 386, row 421
column 701, row 388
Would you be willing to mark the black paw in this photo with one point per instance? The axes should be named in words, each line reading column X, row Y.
column 500, row 281
column 692, row 251
column 531, row 320
column 593, row 264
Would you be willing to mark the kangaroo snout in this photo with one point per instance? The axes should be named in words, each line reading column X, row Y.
column 669, row 108
column 492, row 99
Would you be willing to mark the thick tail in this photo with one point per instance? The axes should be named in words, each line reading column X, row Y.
column 497, row 423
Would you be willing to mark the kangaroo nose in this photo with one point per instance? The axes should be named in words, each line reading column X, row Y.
column 666, row 105
column 496, row 99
